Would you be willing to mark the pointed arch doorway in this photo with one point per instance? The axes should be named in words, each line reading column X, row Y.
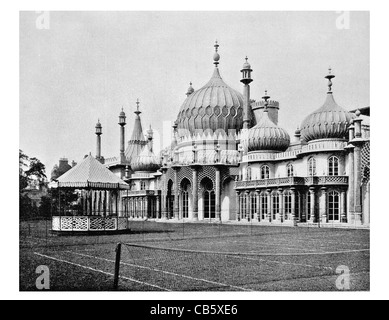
column 209, row 197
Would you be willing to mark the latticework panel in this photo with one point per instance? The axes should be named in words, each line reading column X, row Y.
column 66, row 223
column 96, row 223
column 185, row 172
column 365, row 163
column 207, row 172
column 56, row 224
column 110, row 224
column 80, row 223
column 122, row 223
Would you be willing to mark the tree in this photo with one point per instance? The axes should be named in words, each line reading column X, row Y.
column 30, row 169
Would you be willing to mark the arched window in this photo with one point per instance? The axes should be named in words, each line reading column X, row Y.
column 333, row 206
column 264, row 205
column 289, row 170
column 276, row 204
column 248, row 173
column 287, row 204
column 143, row 185
column 311, row 167
column 209, row 199
column 265, row 172
column 185, row 187
column 253, row 201
column 333, row 166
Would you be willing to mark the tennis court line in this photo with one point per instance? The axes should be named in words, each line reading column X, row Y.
column 284, row 263
column 162, row 271
column 99, row 271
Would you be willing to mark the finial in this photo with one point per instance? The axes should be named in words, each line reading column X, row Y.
column 330, row 76
column 137, row 112
column 246, row 58
column 216, row 56
column 190, row 89
column 266, row 97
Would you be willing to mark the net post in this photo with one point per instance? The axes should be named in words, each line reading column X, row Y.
column 117, row 266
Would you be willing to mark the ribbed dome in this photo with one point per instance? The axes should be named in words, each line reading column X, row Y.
column 146, row 161
column 329, row 121
column 267, row 136
column 214, row 106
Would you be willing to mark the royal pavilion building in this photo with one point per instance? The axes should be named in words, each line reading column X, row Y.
column 231, row 161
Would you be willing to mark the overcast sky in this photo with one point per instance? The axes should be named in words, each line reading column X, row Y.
column 88, row 65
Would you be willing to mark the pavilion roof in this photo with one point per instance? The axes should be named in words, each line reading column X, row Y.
column 89, row 173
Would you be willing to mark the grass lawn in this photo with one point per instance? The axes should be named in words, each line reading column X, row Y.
column 206, row 257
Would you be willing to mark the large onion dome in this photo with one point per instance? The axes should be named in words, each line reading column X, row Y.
column 147, row 161
column 266, row 135
column 328, row 122
column 215, row 106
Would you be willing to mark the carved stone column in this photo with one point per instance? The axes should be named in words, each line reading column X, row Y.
column 323, row 206
column 268, row 194
column 293, row 217
column 176, row 196
column 258, row 214
column 343, row 207
column 281, row 206
column 238, row 213
column 195, row 195
column 218, row 195
column 312, row 204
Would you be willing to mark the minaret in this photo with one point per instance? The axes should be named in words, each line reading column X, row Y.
column 150, row 134
column 246, row 80
column 99, row 132
column 122, row 123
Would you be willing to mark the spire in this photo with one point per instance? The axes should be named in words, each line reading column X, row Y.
column 216, row 56
column 137, row 140
column 330, row 76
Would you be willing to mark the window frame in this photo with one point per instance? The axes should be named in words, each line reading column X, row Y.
column 312, row 167
column 333, row 166
column 265, row 174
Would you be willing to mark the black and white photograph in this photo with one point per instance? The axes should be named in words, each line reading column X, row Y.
column 198, row 152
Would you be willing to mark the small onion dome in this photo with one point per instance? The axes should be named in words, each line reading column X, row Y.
column 98, row 124
column 246, row 65
column 190, row 89
column 146, row 161
column 122, row 113
column 267, row 136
